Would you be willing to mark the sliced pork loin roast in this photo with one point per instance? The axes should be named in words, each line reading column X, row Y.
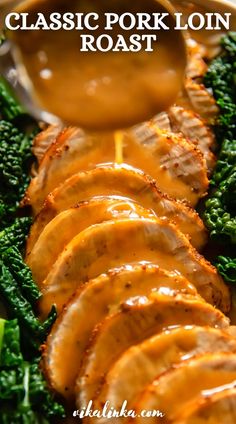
column 194, row 94
column 177, row 167
column 196, row 67
column 115, row 243
column 144, row 362
column 122, row 181
column 65, row 226
column 91, row 304
column 202, row 100
column 194, row 129
column 213, row 406
column 196, row 97
column 183, row 165
column 140, row 318
column 172, row 392
column 44, row 139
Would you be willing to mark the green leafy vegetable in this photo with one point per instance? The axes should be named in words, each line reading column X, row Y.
column 221, row 78
column 220, row 211
column 38, row 390
column 10, row 354
column 15, row 235
column 21, row 308
column 17, row 287
column 24, row 396
column 220, row 214
column 17, row 130
column 10, row 107
column 15, row 151
column 226, row 163
column 227, row 268
column 22, row 274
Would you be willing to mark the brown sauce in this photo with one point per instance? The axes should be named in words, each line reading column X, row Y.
column 99, row 90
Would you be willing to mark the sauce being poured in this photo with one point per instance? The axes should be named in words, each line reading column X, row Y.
column 118, row 137
column 97, row 90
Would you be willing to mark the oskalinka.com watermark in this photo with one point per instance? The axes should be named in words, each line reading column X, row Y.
column 109, row 411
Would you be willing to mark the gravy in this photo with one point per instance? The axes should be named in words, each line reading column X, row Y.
column 96, row 90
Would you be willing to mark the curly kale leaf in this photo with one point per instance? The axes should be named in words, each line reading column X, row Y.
column 227, row 268
column 10, row 354
column 20, row 308
column 10, row 107
column 38, row 391
column 229, row 44
column 220, row 214
column 221, row 78
column 17, row 287
column 22, row 274
column 10, row 147
column 17, row 304
column 15, row 235
column 220, row 210
column 16, row 135
column 24, row 395
column 26, row 398
column 226, row 162
column 15, row 153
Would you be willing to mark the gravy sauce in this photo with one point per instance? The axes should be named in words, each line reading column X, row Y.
column 96, row 90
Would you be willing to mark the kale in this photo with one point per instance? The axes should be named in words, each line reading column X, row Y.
column 226, row 162
column 229, row 44
column 22, row 309
column 10, row 107
column 22, row 274
column 220, row 213
column 15, row 153
column 18, row 288
column 17, row 130
column 38, row 390
column 25, row 397
column 221, row 79
column 227, row 268
column 10, row 353
column 15, row 235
